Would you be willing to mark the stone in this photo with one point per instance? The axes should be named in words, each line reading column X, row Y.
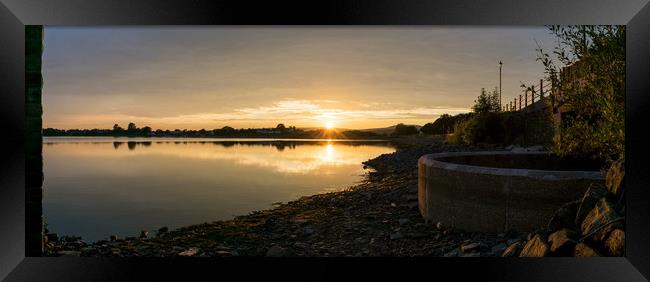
column 615, row 179
column 564, row 217
column 469, row 247
column 536, row 247
column 536, row 148
column 615, row 244
column 396, row 236
column 588, row 202
column 308, row 231
column 512, row 250
column 277, row 251
column 600, row 221
column 223, row 253
column 452, row 253
column 162, row 230
column 301, row 245
column 584, row 250
column 144, row 234
column 403, row 221
column 113, row 238
column 499, row 248
column 439, row 225
column 189, row 252
column 562, row 242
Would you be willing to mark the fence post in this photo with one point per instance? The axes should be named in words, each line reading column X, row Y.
column 519, row 101
column 541, row 89
column 526, row 99
column 532, row 97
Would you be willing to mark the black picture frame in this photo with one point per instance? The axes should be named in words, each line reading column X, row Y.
column 16, row 14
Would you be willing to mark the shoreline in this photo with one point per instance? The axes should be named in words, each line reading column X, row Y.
column 377, row 217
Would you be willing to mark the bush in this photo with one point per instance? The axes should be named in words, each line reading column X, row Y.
column 445, row 124
column 506, row 128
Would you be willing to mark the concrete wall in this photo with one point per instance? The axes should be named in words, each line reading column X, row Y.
column 489, row 199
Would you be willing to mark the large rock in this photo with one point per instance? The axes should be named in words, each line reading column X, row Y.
column 512, row 251
column 536, row 247
column 583, row 250
column 615, row 178
column 601, row 221
column 562, row 242
column 564, row 217
column 588, row 202
column 615, row 244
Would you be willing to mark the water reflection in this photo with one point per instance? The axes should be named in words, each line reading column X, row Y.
column 95, row 187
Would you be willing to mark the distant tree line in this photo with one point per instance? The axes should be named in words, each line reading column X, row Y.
column 280, row 130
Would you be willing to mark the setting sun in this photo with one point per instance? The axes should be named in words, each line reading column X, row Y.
column 329, row 124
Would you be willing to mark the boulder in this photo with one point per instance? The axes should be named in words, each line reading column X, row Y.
column 536, row 247
column 564, row 217
column 615, row 178
column 144, row 234
column 584, row 250
column 615, row 244
column 601, row 221
column 562, row 242
column 588, row 202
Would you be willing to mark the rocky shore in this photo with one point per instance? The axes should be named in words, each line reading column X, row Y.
column 378, row 217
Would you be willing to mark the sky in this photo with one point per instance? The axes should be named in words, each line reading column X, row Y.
column 170, row 77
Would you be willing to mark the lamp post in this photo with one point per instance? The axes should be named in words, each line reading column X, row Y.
column 500, row 64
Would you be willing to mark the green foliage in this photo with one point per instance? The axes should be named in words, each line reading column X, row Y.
column 505, row 128
column 487, row 102
column 445, row 124
column 593, row 87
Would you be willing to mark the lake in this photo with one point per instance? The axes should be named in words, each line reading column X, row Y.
column 95, row 187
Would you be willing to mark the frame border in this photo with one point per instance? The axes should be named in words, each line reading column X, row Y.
column 16, row 14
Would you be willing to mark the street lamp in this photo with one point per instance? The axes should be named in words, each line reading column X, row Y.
column 500, row 64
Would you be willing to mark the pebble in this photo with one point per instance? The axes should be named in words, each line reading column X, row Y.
column 396, row 235
column 189, row 252
column 470, row 247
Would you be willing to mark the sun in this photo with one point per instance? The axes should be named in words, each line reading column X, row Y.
column 329, row 124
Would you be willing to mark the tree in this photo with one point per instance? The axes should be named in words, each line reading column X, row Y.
column 487, row 102
column 402, row 129
column 146, row 130
column 594, row 89
column 131, row 129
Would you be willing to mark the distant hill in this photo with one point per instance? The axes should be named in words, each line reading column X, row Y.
column 382, row 130
column 386, row 130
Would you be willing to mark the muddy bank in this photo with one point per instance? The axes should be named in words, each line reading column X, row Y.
column 378, row 217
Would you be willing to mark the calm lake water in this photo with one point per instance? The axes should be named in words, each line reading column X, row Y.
column 97, row 187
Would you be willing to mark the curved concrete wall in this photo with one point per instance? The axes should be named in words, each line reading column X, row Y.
column 493, row 199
